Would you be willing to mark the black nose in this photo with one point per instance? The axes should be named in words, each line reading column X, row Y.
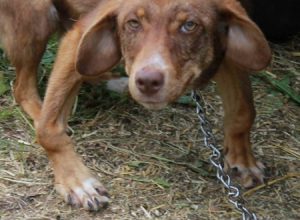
column 149, row 82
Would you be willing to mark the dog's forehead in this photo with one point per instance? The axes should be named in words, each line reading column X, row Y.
column 161, row 8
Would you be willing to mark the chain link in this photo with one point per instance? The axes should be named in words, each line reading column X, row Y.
column 234, row 196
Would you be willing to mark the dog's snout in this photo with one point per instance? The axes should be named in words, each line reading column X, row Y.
column 149, row 82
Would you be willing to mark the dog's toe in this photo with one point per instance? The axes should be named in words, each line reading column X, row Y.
column 249, row 176
column 252, row 176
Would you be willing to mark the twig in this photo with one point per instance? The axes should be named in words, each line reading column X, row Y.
column 290, row 151
column 23, row 182
column 26, row 119
column 270, row 183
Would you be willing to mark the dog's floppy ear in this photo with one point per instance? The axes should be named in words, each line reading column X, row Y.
column 246, row 44
column 98, row 49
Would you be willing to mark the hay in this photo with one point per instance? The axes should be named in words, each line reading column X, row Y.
column 154, row 163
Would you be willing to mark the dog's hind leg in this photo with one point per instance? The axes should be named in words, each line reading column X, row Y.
column 24, row 32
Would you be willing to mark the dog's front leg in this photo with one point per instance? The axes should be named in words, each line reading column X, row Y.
column 72, row 179
column 235, row 89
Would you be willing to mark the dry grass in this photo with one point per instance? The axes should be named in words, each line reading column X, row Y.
column 154, row 163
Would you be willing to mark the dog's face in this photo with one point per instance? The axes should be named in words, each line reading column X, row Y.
column 169, row 45
column 166, row 46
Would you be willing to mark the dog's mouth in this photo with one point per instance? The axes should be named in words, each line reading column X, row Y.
column 154, row 105
column 155, row 102
column 158, row 97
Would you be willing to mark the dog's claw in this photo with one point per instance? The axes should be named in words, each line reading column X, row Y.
column 97, row 202
column 102, row 192
column 91, row 206
column 70, row 200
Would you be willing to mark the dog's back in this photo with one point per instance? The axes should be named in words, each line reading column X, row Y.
column 23, row 24
column 25, row 27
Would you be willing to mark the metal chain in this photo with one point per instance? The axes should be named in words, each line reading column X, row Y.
column 234, row 195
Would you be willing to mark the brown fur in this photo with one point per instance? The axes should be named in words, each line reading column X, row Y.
column 164, row 54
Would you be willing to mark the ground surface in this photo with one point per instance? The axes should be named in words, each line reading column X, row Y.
column 154, row 163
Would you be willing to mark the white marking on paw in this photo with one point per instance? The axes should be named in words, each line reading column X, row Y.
column 80, row 193
column 89, row 182
column 88, row 186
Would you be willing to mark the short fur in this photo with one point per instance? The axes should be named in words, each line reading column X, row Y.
column 168, row 46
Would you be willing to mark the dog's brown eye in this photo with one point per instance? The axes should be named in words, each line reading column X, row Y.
column 133, row 24
column 189, row 27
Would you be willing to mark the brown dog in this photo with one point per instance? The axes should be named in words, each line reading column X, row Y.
column 168, row 46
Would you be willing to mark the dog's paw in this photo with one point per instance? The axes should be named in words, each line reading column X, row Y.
column 75, row 183
column 89, row 193
column 249, row 172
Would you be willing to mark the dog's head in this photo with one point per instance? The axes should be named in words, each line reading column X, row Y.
column 168, row 45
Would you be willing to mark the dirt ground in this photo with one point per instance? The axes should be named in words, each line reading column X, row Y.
column 154, row 163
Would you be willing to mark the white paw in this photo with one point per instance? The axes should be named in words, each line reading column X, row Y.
column 89, row 194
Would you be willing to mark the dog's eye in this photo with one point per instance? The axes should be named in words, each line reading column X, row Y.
column 189, row 27
column 133, row 24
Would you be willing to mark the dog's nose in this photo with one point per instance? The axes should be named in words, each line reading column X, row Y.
column 149, row 82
